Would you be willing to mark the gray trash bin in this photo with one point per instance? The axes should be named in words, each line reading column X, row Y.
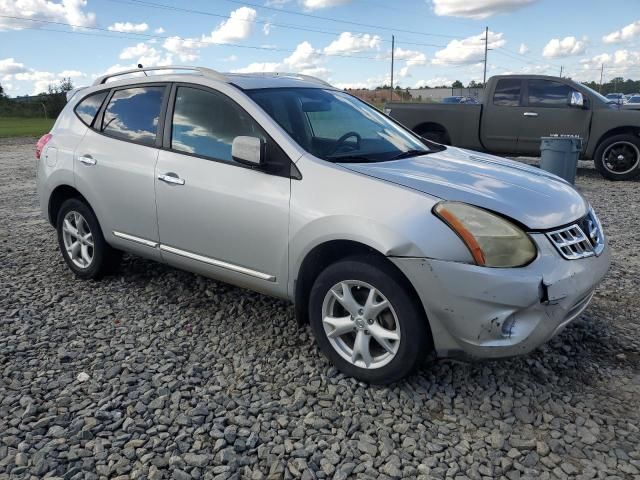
column 560, row 156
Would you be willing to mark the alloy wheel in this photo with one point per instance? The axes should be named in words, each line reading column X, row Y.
column 361, row 324
column 78, row 239
column 621, row 157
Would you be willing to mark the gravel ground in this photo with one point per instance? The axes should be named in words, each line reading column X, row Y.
column 184, row 377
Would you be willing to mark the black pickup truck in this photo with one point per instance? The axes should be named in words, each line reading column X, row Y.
column 519, row 109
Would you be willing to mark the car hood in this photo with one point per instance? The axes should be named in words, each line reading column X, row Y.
column 533, row 197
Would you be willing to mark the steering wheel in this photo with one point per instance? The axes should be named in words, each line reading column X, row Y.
column 341, row 142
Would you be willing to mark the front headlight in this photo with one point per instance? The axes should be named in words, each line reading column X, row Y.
column 492, row 240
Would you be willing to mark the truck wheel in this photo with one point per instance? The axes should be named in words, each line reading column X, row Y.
column 618, row 157
column 366, row 320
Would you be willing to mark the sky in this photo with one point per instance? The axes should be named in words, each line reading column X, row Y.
column 347, row 42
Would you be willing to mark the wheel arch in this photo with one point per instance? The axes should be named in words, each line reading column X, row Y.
column 327, row 253
column 433, row 127
column 58, row 196
column 629, row 129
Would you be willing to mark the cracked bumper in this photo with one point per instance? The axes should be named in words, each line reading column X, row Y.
column 499, row 312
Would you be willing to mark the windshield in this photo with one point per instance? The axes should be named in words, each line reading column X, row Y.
column 337, row 127
column 599, row 96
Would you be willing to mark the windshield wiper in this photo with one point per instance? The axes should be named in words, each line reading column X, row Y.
column 410, row 153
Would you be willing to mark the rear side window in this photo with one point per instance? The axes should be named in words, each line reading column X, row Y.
column 205, row 123
column 89, row 106
column 547, row 93
column 133, row 114
column 507, row 93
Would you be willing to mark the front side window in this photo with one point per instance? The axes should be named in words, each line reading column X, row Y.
column 89, row 106
column 205, row 123
column 547, row 93
column 507, row 93
column 133, row 114
column 335, row 126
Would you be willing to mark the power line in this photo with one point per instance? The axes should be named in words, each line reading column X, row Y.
column 197, row 43
column 286, row 11
column 149, row 4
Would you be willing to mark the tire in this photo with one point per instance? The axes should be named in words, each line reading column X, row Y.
column 402, row 318
column 618, row 157
column 83, row 231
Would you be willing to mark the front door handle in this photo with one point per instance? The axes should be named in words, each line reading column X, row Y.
column 87, row 159
column 171, row 178
column 530, row 114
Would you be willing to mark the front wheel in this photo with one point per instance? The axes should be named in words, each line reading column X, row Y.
column 618, row 157
column 366, row 320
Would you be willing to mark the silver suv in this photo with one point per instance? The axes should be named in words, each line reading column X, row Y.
column 391, row 246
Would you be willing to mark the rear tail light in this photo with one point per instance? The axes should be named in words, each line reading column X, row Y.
column 41, row 144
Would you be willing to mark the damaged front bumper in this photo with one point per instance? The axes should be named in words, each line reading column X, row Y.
column 499, row 312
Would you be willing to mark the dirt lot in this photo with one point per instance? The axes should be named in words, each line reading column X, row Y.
column 190, row 378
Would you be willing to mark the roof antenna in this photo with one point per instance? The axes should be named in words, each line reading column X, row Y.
column 145, row 73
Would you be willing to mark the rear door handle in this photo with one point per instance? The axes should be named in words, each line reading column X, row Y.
column 87, row 159
column 530, row 114
column 171, row 178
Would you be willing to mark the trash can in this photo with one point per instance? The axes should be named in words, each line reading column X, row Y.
column 560, row 156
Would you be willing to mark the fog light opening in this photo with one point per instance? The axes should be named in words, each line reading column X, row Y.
column 507, row 326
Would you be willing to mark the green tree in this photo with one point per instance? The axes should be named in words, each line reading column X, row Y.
column 457, row 84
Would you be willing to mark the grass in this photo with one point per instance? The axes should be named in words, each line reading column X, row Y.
column 24, row 127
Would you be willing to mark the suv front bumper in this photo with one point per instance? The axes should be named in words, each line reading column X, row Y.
column 499, row 312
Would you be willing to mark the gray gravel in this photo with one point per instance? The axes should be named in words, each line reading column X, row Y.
column 185, row 377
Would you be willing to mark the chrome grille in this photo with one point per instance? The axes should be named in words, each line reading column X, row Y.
column 580, row 240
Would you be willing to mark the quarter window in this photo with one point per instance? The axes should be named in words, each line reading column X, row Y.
column 89, row 106
column 507, row 93
column 547, row 93
column 205, row 123
column 133, row 114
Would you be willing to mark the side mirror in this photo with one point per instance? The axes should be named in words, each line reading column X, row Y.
column 248, row 150
column 576, row 99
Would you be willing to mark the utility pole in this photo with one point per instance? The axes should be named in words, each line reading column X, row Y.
column 486, row 48
column 393, row 44
column 601, row 74
column 561, row 67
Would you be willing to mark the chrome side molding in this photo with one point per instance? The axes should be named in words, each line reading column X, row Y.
column 132, row 238
column 218, row 263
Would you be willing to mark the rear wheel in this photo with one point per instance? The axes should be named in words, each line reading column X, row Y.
column 366, row 321
column 618, row 157
column 81, row 241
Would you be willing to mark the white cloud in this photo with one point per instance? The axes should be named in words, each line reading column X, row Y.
column 523, row 50
column 72, row 74
column 128, row 27
column 159, row 30
column 477, row 8
column 230, row 58
column 67, row 11
column 9, row 66
column 348, row 43
column 305, row 60
column 266, row 28
column 142, row 53
column 319, row 4
column 433, row 82
column 185, row 48
column 135, row 51
column 619, row 63
column 566, row 47
column 259, row 67
column 303, row 57
column 625, row 34
column 412, row 57
column 237, row 27
column 469, row 50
